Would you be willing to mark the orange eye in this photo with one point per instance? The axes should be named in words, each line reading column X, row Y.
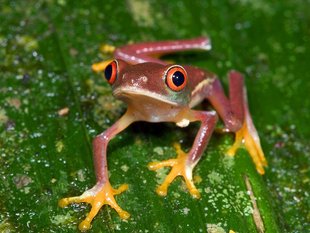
column 110, row 72
column 176, row 78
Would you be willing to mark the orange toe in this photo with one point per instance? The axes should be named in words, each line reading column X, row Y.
column 248, row 136
column 179, row 168
column 100, row 66
column 98, row 196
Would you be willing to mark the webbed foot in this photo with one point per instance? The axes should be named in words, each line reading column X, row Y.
column 180, row 167
column 98, row 196
column 248, row 136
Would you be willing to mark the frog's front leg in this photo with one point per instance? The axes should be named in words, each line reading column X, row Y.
column 184, row 164
column 102, row 193
column 236, row 116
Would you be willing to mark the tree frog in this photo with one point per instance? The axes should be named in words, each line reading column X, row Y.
column 156, row 91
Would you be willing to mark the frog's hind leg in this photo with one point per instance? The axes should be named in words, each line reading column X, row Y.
column 150, row 51
column 236, row 116
column 184, row 164
column 248, row 136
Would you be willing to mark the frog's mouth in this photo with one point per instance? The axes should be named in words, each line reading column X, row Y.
column 149, row 106
column 141, row 96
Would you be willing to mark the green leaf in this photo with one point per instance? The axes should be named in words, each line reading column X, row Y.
column 46, row 50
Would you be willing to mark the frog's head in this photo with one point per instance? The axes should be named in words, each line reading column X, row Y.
column 148, row 82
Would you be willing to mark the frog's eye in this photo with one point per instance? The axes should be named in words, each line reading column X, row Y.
column 110, row 72
column 176, row 78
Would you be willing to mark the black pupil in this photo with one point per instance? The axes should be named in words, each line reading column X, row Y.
column 108, row 72
column 178, row 78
